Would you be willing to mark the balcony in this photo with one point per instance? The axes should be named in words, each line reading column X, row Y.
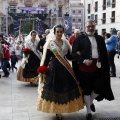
column 112, row 19
column 104, row 7
column 96, row 22
column 103, row 21
column 28, row 3
column 60, row 3
column 113, row 5
column 43, row 4
column 12, row 3
column 88, row 11
column 96, row 9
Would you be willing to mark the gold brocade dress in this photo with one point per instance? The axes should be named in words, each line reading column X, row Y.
column 60, row 92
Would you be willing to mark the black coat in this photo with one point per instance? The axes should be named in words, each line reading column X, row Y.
column 83, row 44
column 41, row 44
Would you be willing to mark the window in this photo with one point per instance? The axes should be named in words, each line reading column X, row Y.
column 11, row 9
column 92, row 16
column 103, row 30
column 113, row 3
column 60, row 12
column 104, row 18
column 79, row 11
column 73, row 20
column 96, row 31
column 104, row 4
column 112, row 17
column 96, row 6
column 79, row 20
column 108, row 3
column 88, row 8
column 73, row 11
column 96, row 19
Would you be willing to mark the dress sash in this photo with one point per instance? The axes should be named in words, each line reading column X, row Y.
column 62, row 60
column 35, row 52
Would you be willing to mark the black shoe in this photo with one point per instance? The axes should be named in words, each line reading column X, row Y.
column 6, row 75
column 92, row 107
column 89, row 116
column 113, row 75
column 58, row 117
column 31, row 83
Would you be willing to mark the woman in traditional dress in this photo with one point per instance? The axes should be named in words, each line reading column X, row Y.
column 18, row 46
column 60, row 93
column 28, row 69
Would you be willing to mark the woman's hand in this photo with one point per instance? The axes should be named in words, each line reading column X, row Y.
column 78, row 52
column 87, row 62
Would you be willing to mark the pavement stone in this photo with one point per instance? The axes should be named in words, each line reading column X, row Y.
column 18, row 101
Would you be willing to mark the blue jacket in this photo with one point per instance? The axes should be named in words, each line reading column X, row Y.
column 111, row 42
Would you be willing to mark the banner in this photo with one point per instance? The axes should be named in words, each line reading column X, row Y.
column 28, row 26
column 16, row 25
column 32, row 8
column 68, row 24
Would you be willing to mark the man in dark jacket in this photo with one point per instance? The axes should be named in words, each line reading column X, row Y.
column 42, row 41
column 89, row 51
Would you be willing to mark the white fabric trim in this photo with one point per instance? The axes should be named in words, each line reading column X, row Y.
column 94, row 46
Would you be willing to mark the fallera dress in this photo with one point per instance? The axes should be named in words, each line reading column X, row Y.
column 28, row 71
column 60, row 92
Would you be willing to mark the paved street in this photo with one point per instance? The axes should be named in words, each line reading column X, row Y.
column 18, row 101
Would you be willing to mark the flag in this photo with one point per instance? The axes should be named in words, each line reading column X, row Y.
column 68, row 24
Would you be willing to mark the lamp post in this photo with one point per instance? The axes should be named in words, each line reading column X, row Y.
column 51, row 12
column 51, row 20
column 56, row 2
column 6, row 20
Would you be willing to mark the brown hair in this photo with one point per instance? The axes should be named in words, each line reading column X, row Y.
column 58, row 26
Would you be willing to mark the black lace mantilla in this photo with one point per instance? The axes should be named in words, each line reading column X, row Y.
column 60, row 98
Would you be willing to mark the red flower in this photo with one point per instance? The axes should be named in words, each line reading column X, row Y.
column 26, row 49
column 42, row 69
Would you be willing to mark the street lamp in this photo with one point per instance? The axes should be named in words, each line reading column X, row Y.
column 51, row 13
column 56, row 2
column 6, row 20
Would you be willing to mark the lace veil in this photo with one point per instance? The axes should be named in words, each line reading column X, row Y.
column 51, row 37
column 29, row 36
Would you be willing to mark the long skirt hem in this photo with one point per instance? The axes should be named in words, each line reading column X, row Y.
column 51, row 107
column 21, row 78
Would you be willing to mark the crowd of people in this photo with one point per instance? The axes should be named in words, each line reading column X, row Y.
column 62, row 87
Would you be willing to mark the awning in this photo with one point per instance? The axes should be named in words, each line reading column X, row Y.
column 31, row 8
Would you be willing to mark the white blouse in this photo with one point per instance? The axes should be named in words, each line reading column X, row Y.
column 94, row 46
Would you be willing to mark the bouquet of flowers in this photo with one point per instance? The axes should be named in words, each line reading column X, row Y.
column 26, row 51
column 42, row 70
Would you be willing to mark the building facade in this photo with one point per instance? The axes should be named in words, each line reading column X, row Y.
column 106, row 14
column 77, row 13
column 55, row 11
